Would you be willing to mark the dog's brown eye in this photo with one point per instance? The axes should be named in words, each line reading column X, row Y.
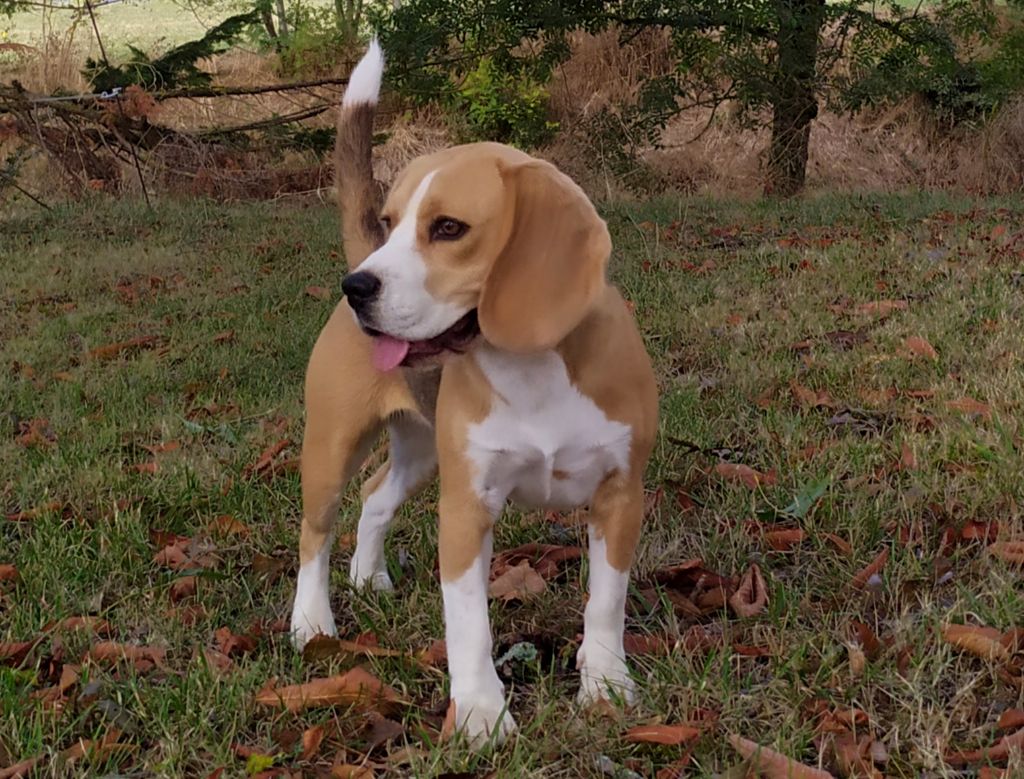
column 385, row 222
column 445, row 229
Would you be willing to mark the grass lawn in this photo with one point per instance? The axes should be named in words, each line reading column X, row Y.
column 152, row 25
column 776, row 379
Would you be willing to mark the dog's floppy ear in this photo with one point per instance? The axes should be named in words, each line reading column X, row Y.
column 552, row 268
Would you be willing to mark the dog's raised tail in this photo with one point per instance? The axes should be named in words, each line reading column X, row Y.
column 353, row 163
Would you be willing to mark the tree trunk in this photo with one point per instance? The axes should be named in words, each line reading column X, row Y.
column 795, row 102
column 282, row 19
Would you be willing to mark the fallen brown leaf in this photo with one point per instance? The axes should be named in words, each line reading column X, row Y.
column 880, row 308
column 866, row 639
column 147, row 467
column 1008, row 551
column 448, row 726
column 30, row 514
column 348, row 771
column 379, row 730
column 980, row 641
column 971, row 407
column 809, row 398
column 745, row 475
column 98, row 750
column 517, row 583
column 356, row 687
column 908, row 460
column 227, row 525
column 270, row 567
column 783, row 539
column 143, row 658
column 749, row 650
column 218, row 661
column 841, row 544
column 184, row 553
column 319, row 293
column 699, row 638
column 92, row 624
column 1011, row 719
column 645, row 644
column 980, row 531
column 182, row 588
column 231, row 643
column 20, row 770
column 750, row 597
column 772, row 764
column 115, row 349
column 872, row 569
column 669, row 735
column 187, row 614
column 853, row 755
column 990, row 772
column 35, row 433
column 13, row 653
column 224, row 337
column 173, row 556
column 919, row 347
column 678, row 769
column 266, row 458
column 161, row 448
column 545, row 559
column 435, row 654
column 321, row 647
column 8, row 573
column 998, row 751
column 311, row 739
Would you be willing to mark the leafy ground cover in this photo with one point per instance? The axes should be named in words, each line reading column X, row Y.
column 830, row 566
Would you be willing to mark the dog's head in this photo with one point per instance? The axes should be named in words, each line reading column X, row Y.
column 479, row 239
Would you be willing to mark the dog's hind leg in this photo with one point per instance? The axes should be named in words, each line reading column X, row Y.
column 412, row 462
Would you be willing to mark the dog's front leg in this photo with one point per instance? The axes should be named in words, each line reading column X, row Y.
column 411, row 463
column 613, row 528
column 343, row 419
column 465, row 551
column 329, row 457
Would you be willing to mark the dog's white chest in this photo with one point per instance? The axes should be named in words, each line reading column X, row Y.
column 543, row 444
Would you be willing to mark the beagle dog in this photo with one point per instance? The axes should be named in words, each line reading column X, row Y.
column 478, row 327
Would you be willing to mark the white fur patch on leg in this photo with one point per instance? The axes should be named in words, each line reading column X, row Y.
column 413, row 458
column 311, row 613
column 480, row 709
column 364, row 83
column 601, row 660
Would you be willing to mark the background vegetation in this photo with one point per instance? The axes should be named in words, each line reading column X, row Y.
column 768, row 69
column 832, row 555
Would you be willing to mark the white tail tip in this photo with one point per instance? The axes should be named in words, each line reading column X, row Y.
column 364, row 83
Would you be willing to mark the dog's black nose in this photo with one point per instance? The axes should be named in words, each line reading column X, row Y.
column 360, row 288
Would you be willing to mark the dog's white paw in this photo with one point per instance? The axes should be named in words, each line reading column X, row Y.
column 311, row 617
column 483, row 718
column 603, row 676
column 364, row 575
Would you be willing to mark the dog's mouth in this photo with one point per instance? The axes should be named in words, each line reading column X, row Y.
column 390, row 352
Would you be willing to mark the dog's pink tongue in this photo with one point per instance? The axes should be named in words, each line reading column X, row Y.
column 388, row 352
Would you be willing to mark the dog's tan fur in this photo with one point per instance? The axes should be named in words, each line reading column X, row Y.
column 533, row 266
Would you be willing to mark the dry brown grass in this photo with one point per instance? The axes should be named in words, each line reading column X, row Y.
column 890, row 150
column 53, row 64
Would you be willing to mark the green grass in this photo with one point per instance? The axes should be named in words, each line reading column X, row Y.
column 152, row 25
column 722, row 298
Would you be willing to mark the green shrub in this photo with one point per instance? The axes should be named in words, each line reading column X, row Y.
column 497, row 105
column 314, row 45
